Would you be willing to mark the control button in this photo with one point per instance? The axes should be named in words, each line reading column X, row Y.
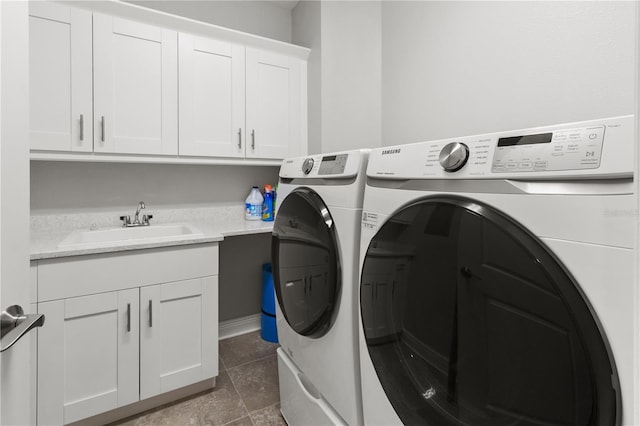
column 498, row 168
column 593, row 136
column 526, row 165
column 454, row 156
column 512, row 166
column 540, row 165
column 307, row 166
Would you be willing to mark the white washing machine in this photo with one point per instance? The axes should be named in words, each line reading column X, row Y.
column 497, row 279
column 315, row 248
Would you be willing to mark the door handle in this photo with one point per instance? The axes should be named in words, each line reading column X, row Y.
column 150, row 313
column 81, row 127
column 14, row 324
column 128, row 317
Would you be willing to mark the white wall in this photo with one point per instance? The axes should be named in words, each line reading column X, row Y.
column 344, row 76
column 69, row 187
column 395, row 72
column 351, row 75
column 307, row 32
column 458, row 68
column 263, row 18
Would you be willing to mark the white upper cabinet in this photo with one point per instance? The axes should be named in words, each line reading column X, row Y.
column 211, row 97
column 103, row 84
column 135, row 87
column 274, row 105
column 60, row 77
column 215, row 121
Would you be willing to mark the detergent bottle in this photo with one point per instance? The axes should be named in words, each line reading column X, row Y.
column 267, row 205
column 253, row 205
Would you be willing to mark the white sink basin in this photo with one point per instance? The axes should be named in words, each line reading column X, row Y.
column 125, row 236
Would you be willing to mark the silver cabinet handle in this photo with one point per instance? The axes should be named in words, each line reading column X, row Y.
column 128, row 317
column 102, row 134
column 240, row 137
column 81, row 127
column 150, row 313
column 14, row 324
column 253, row 139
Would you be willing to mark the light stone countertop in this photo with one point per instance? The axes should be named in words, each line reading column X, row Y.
column 215, row 223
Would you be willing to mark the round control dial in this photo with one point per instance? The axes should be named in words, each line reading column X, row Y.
column 454, row 156
column 307, row 166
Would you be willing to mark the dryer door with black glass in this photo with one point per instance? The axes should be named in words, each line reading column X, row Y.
column 305, row 263
column 469, row 319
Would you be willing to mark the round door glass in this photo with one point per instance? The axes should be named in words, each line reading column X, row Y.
column 470, row 320
column 305, row 263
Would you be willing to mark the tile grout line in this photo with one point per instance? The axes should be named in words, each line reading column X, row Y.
column 228, row 369
column 264, row 408
column 240, row 394
column 254, row 360
column 241, row 398
column 222, row 363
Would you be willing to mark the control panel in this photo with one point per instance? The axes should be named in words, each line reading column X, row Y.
column 577, row 150
column 570, row 149
column 335, row 165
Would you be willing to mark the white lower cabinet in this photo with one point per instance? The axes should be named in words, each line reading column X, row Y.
column 89, row 361
column 176, row 346
column 127, row 342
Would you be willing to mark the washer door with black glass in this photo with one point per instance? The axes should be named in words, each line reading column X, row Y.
column 470, row 320
column 305, row 263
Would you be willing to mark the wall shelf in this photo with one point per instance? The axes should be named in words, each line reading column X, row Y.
column 149, row 159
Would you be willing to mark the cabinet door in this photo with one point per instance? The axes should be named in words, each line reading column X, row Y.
column 135, row 87
column 88, row 356
column 274, row 107
column 211, row 97
column 178, row 334
column 60, row 77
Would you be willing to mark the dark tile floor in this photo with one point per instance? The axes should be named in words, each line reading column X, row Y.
column 246, row 392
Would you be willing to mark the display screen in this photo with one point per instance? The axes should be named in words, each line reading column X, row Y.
column 333, row 164
column 525, row 140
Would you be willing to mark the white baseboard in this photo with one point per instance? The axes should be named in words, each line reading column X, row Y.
column 238, row 326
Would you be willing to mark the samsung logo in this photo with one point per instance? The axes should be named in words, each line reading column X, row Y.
column 391, row 151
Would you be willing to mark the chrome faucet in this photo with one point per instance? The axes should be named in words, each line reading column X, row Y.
column 136, row 220
column 126, row 220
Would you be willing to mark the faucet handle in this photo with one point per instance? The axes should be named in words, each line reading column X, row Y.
column 146, row 218
column 126, row 220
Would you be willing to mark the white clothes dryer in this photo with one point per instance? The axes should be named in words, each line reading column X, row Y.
column 315, row 248
column 497, row 279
